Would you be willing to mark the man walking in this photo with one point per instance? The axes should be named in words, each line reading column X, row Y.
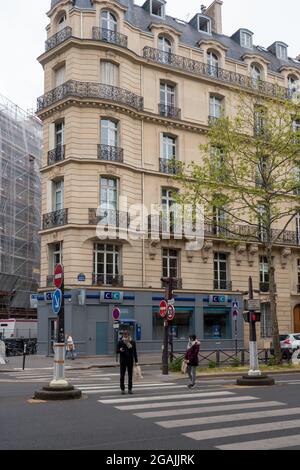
column 192, row 359
column 128, row 355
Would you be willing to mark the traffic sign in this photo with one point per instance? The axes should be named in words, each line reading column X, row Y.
column 235, row 309
column 171, row 302
column 254, row 305
column 57, row 301
column 171, row 313
column 163, row 306
column 58, row 276
column 116, row 314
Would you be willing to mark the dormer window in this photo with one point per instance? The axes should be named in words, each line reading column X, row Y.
column 246, row 39
column 204, row 24
column 281, row 52
column 155, row 7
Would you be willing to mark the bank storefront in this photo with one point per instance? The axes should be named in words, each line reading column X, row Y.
column 88, row 318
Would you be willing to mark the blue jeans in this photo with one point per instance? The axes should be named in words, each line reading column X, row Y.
column 191, row 370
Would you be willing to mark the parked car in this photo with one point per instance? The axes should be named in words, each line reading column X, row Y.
column 289, row 344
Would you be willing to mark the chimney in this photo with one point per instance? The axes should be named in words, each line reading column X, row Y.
column 215, row 13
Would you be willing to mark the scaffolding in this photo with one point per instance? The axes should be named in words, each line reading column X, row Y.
column 20, row 200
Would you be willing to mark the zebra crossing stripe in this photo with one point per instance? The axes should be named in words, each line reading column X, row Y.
column 283, row 442
column 117, row 386
column 209, row 409
column 227, row 418
column 242, row 430
column 210, row 401
column 166, row 397
column 117, row 390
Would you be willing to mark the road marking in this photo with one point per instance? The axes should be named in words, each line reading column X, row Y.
column 107, row 391
column 209, row 409
column 242, row 430
column 166, row 397
column 227, row 418
column 283, row 442
column 147, row 384
column 184, row 403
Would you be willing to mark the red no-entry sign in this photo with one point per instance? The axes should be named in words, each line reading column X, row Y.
column 171, row 313
column 163, row 306
column 58, row 276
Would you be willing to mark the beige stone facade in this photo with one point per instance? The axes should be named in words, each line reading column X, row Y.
column 76, row 57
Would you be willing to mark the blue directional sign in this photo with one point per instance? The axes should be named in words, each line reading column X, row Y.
column 57, row 301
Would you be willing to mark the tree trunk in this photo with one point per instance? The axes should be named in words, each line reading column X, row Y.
column 273, row 307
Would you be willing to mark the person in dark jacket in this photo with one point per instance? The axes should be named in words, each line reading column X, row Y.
column 192, row 359
column 128, row 355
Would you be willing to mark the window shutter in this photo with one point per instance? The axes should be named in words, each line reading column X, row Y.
column 51, row 136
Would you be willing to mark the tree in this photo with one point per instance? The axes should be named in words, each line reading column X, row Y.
column 248, row 178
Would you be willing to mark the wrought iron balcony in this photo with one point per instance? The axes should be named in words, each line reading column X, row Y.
column 110, row 153
column 222, row 285
column 108, row 35
column 264, row 287
column 222, row 75
column 56, row 155
column 213, row 120
column 55, row 219
column 177, row 282
column 107, row 280
column 109, row 217
column 50, row 281
column 168, row 166
column 90, row 90
column 169, row 111
column 58, row 38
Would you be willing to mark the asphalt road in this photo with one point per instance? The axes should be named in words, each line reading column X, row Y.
column 161, row 415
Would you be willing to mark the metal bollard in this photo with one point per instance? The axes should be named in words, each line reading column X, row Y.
column 24, row 355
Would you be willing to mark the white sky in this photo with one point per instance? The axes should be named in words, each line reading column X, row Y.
column 23, row 22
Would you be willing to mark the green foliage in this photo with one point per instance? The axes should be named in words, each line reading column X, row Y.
column 272, row 361
column 236, row 362
column 212, row 365
column 175, row 366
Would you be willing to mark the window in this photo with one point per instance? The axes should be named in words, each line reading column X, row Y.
column 298, row 227
column 217, row 323
column 60, row 75
column 168, row 151
column 108, row 21
column 169, row 213
column 221, row 271
column 181, row 328
column 170, row 263
column 292, row 84
column 218, row 162
column 109, row 133
column 106, row 264
column 219, row 221
column 59, row 134
column 215, row 107
column 165, row 46
column 264, row 274
column 109, row 194
column 167, row 98
column 256, row 74
column 266, row 330
column 259, row 121
column 262, row 223
column 58, row 195
column 55, row 256
column 157, row 8
column 281, row 52
column 262, row 172
column 213, row 64
column 109, row 73
column 297, row 180
column 62, row 22
column 204, row 24
column 246, row 40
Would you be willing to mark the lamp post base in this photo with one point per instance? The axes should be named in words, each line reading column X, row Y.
column 255, row 381
column 52, row 393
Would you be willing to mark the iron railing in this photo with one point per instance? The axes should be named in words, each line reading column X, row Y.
column 58, row 38
column 55, row 219
column 177, row 282
column 169, row 111
column 264, row 287
column 225, row 76
column 108, row 35
column 56, row 155
column 222, row 285
column 109, row 217
column 110, row 153
column 90, row 90
column 107, row 280
column 168, row 166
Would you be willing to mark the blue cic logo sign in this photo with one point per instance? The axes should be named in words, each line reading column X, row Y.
column 218, row 299
column 111, row 297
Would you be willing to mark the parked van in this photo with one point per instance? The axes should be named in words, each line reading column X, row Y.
column 18, row 329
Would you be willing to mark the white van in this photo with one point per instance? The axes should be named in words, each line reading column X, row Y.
column 18, row 329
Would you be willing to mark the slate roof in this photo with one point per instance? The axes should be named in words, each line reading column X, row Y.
column 141, row 18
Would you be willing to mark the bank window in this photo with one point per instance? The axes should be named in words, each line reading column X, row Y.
column 182, row 325
column 266, row 330
column 170, row 263
column 106, row 264
column 217, row 323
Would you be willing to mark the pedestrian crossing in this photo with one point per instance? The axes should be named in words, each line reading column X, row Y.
column 218, row 419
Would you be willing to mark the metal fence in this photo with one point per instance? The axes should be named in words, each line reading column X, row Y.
column 219, row 358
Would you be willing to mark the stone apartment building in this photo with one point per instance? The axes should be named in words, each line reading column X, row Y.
column 128, row 89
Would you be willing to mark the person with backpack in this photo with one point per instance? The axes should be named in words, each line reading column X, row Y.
column 128, row 355
column 192, row 359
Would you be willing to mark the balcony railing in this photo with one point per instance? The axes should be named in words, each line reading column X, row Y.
column 222, row 75
column 56, row 155
column 213, row 120
column 58, row 38
column 169, row 111
column 110, row 153
column 107, row 280
column 109, row 217
column 55, row 219
column 177, row 282
column 168, row 166
column 222, row 285
column 90, row 90
column 108, row 35
column 50, row 281
column 264, row 287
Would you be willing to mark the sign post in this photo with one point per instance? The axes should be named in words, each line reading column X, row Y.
column 235, row 314
column 167, row 312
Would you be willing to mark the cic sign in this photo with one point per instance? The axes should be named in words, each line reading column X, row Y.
column 111, row 297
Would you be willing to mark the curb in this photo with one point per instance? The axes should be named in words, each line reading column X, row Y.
column 95, row 366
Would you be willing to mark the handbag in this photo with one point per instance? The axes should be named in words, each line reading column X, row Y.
column 137, row 373
column 184, row 367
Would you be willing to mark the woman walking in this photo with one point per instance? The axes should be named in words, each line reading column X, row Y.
column 128, row 355
column 192, row 359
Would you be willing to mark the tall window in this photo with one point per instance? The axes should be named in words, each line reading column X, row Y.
column 170, row 263
column 58, row 195
column 109, row 73
column 109, row 133
column 221, row 271
column 292, row 84
column 168, row 151
column 264, row 274
column 168, row 203
column 109, row 194
column 219, row 221
column 106, row 264
column 298, row 227
column 266, row 330
column 260, row 120
column 165, row 46
column 60, row 75
column 256, row 74
column 108, row 21
column 59, row 134
column 55, row 256
column 262, row 223
column 215, row 107
column 213, row 64
column 167, row 97
column 298, row 275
